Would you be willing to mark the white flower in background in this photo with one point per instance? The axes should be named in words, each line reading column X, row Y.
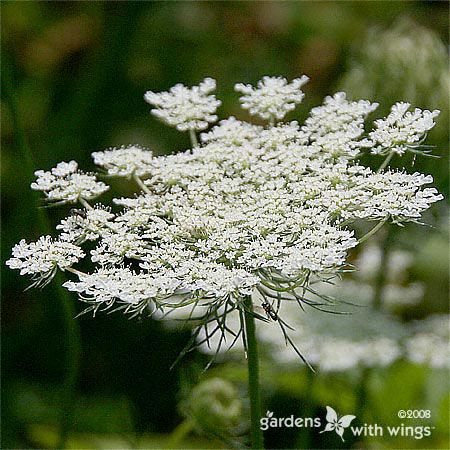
column 360, row 291
column 381, row 352
column 65, row 184
column 273, row 98
column 401, row 130
column 125, row 161
column 364, row 338
column 186, row 108
column 252, row 211
column 396, row 292
column 394, row 295
column 429, row 349
column 43, row 257
column 370, row 258
column 394, row 63
column 429, row 342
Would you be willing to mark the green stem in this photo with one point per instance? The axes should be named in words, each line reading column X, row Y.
column 373, row 230
column 141, row 184
column 386, row 162
column 85, row 203
column 253, row 376
column 304, row 439
column 193, row 136
column 179, row 434
column 362, row 394
column 72, row 363
column 75, row 271
column 71, row 327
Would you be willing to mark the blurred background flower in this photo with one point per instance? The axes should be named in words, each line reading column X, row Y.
column 78, row 72
column 401, row 62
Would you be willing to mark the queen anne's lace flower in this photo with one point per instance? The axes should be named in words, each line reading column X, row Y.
column 124, row 161
column 84, row 225
column 232, row 131
column 401, row 130
column 65, row 184
column 107, row 285
column 118, row 244
column 337, row 126
column 317, row 250
column 273, row 98
column 336, row 114
column 252, row 211
column 186, row 108
column 43, row 257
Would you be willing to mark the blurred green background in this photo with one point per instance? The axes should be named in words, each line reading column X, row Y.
column 77, row 72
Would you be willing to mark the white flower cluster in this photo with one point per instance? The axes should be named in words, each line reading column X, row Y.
column 251, row 209
column 429, row 343
column 337, row 126
column 401, row 130
column 108, row 285
column 273, row 98
column 124, row 161
column 355, row 192
column 186, row 108
column 65, row 184
column 42, row 258
column 232, row 131
column 84, row 225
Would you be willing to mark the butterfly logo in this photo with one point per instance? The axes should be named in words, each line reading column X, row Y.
column 338, row 424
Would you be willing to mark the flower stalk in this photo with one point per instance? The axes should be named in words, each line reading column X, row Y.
column 73, row 359
column 386, row 161
column 377, row 227
column 141, row 184
column 253, row 376
column 193, row 137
